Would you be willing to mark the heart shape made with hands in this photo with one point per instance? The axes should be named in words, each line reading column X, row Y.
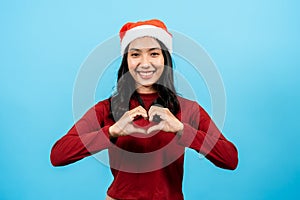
column 143, row 123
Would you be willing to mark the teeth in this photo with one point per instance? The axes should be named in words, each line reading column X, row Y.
column 146, row 73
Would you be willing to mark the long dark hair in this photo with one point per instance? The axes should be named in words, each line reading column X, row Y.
column 126, row 87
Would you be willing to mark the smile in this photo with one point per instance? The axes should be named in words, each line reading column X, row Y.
column 145, row 74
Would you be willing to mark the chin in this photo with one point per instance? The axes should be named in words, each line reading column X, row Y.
column 146, row 83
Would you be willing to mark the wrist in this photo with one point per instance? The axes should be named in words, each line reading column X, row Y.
column 180, row 130
column 112, row 132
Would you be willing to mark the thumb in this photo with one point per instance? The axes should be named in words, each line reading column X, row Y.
column 157, row 127
column 133, row 129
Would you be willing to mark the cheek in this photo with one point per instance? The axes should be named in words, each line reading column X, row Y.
column 161, row 64
column 160, row 61
column 131, row 68
column 161, row 70
column 131, row 64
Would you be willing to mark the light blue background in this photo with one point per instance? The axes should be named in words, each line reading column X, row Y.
column 255, row 45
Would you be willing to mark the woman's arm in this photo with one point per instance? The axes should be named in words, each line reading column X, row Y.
column 202, row 135
column 86, row 137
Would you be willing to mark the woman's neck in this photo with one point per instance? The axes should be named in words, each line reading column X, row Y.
column 145, row 90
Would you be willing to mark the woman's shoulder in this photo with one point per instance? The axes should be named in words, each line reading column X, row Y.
column 103, row 102
column 188, row 104
column 184, row 101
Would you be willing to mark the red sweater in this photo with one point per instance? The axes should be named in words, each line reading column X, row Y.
column 146, row 167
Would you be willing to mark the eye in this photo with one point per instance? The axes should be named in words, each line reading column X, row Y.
column 134, row 54
column 155, row 54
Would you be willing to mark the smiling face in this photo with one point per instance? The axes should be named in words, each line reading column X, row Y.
column 145, row 63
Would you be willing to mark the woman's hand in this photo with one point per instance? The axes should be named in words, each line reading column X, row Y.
column 168, row 122
column 124, row 125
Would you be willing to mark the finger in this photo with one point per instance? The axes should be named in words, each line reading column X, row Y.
column 141, row 108
column 136, row 115
column 139, row 111
column 138, row 108
column 132, row 129
column 157, row 127
column 133, row 115
column 154, row 110
column 158, row 111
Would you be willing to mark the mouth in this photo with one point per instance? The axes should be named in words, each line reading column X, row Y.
column 145, row 74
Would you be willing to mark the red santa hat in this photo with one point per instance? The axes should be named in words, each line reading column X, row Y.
column 153, row 28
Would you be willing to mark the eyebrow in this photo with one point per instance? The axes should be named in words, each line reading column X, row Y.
column 151, row 49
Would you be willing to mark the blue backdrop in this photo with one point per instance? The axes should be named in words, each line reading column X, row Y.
column 255, row 45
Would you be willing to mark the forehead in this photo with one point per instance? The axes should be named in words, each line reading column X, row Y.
column 144, row 43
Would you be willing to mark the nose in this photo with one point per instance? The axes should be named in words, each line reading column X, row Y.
column 145, row 62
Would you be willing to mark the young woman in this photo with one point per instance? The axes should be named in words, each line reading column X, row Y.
column 145, row 125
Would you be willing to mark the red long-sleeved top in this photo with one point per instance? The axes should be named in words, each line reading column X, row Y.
column 146, row 167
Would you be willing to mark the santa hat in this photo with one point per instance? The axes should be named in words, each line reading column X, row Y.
column 153, row 28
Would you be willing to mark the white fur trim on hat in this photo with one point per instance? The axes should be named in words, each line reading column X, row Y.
column 146, row 30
